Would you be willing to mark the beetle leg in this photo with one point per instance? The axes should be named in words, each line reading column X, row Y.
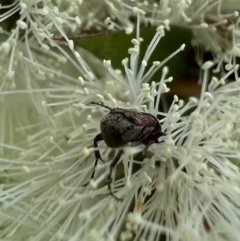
column 145, row 148
column 97, row 154
column 112, row 165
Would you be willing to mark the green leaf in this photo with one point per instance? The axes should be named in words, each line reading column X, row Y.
column 114, row 46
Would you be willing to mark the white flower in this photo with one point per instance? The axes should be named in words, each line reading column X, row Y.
column 185, row 188
column 214, row 23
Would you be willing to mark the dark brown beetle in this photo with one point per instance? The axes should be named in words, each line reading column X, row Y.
column 121, row 126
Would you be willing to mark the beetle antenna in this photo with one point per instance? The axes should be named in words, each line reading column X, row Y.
column 100, row 104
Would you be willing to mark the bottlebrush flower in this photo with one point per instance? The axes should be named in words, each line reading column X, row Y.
column 185, row 188
column 214, row 24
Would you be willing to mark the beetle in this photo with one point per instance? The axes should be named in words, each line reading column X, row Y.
column 121, row 126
